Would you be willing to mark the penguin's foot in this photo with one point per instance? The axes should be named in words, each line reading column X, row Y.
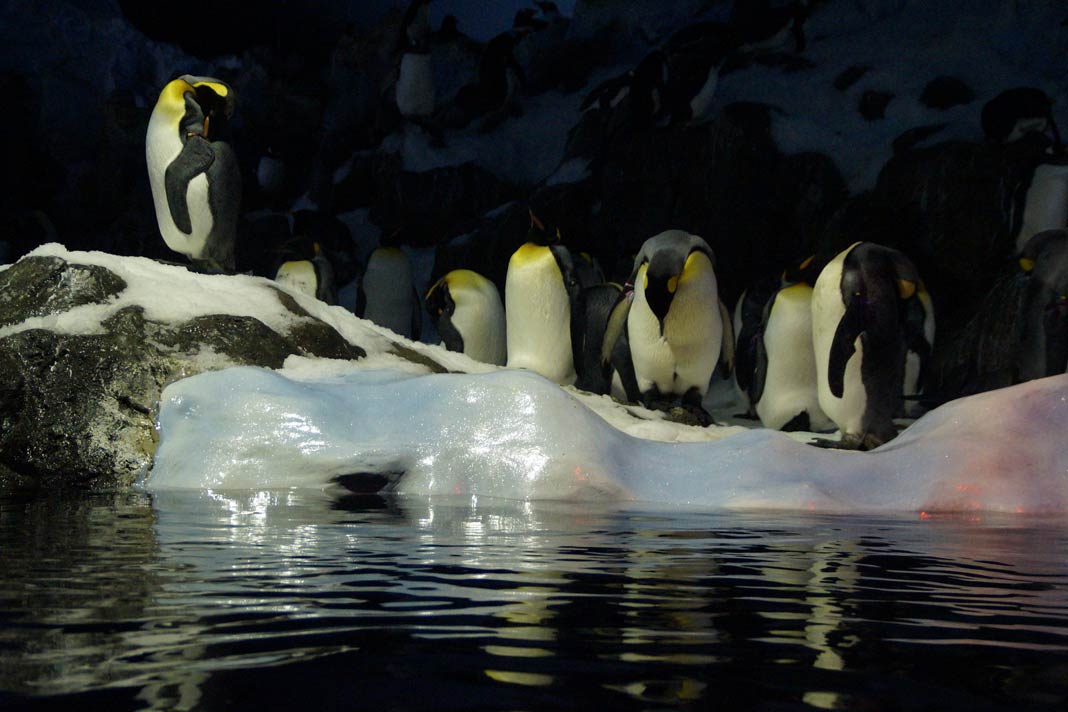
column 689, row 415
column 850, row 441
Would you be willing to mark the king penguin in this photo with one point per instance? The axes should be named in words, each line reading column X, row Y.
column 776, row 364
column 603, row 317
column 314, row 276
column 541, row 290
column 469, row 315
column 675, row 325
column 386, row 294
column 865, row 315
column 415, row 80
column 193, row 171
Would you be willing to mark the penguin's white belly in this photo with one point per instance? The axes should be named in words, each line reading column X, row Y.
column 1046, row 203
column 790, row 380
column 538, row 313
column 387, row 287
column 298, row 275
column 687, row 352
column 161, row 147
column 847, row 412
column 480, row 321
column 415, row 85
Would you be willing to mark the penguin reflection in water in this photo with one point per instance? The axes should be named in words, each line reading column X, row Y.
column 675, row 324
column 867, row 314
column 469, row 315
column 193, row 171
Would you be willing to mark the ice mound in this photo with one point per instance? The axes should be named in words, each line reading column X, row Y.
column 513, row 434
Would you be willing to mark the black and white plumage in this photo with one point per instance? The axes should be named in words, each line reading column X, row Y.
column 193, row 171
column 675, row 328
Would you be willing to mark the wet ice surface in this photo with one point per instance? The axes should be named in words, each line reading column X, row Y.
column 514, row 435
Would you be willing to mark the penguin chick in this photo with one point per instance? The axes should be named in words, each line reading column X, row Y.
column 674, row 327
column 193, row 171
column 467, row 309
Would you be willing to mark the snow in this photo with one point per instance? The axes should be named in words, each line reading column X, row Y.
column 514, row 435
column 989, row 44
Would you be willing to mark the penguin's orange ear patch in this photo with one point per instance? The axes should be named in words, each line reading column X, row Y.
column 1027, row 264
column 906, row 288
column 806, row 263
column 673, row 284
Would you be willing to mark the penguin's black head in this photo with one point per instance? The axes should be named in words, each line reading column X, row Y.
column 879, row 279
column 542, row 234
column 439, row 302
column 805, row 271
column 1016, row 112
column 662, row 281
column 209, row 105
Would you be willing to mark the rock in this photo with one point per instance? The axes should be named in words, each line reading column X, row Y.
column 76, row 409
column 873, row 104
column 946, row 92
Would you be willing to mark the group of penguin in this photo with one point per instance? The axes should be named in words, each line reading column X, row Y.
column 839, row 342
column 837, row 347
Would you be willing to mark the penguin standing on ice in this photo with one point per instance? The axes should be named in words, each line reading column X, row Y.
column 386, row 294
column 193, row 171
column 775, row 360
column 541, row 290
column 694, row 57
column 415, row 80
column 675, row 327
column 865, row 316
column 603, row 318
column 469, row 315
column 1015, row 113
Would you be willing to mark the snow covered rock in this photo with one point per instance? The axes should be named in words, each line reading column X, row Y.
column 89, row 340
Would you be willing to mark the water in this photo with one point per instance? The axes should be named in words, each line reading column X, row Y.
column 294, row 601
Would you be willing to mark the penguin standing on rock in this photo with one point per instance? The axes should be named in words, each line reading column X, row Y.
column 193, row 171
column 866, row 315
column 313, row 276
column 675, row 326
column 541, row 290
column 469, row 315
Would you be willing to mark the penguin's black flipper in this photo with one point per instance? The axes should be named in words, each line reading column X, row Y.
column 843, row 347
column 760, row 370
column 196, row 157
column 623, row 364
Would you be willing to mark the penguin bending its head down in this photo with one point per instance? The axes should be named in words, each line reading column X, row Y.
column 866, row 315
column 541, row 290
column 469, row 315
column 386, row 294
column 195, row 179
column 675, row 326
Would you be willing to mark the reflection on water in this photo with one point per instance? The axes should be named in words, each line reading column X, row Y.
column 279, row 599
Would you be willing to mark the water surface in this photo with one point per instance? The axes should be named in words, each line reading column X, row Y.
column 277, row 600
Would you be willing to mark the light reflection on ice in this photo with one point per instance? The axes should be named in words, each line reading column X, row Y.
column 514, row 435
